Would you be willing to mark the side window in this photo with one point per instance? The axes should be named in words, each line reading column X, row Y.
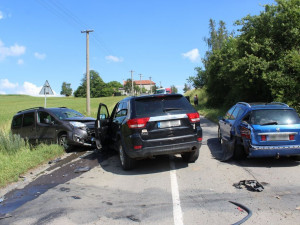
column 28, row 119
column 229, row 112
column 45, row 118
column 235, row 113
column 103, row 113
column 240, row 112
column 121, row 111
column 17, row 121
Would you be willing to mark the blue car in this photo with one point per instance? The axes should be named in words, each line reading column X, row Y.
column 260, row 130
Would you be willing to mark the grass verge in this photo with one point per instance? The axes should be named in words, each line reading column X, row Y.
column 19, row 162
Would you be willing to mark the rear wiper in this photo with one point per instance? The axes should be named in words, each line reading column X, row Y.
column 270, row 123
column 170, row 109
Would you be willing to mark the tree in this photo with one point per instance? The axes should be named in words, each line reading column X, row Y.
column 186, row 88
column 66, row 89
column 174, row 89
column 97, row 86
column 128, row 85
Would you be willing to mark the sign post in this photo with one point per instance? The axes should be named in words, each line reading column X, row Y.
column 46, row 90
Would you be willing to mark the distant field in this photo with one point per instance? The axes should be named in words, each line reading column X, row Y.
column 11, row 104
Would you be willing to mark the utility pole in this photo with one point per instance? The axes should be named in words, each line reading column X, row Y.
column 88, row 111
column 132, row 93
column 140, row 83
column 150, row 85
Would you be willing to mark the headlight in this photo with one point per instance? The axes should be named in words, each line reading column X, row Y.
column 78, row 124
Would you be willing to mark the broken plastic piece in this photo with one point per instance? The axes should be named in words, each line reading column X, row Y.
column 251, row 185
column 55, row 160
column 82, row 169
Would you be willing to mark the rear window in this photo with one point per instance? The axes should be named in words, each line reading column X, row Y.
column 275, row 117
column 162, row 105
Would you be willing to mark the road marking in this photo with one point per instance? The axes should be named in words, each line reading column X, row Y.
column 177, row 212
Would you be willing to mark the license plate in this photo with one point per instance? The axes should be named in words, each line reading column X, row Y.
column 279, row 137
column 171, row 123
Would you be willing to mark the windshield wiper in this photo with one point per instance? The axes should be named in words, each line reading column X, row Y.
column 170, row 109
column 271, row 123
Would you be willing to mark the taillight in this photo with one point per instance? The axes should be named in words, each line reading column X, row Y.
column 292, row 137
column 137, row 147
column 199, row 139
column 246, row 133
column 263, row 137
column 138, row 122
column 193, row 117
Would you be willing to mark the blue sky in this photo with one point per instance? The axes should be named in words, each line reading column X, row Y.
column 41, row 39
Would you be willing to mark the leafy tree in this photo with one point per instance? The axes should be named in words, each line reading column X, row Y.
column 186, row 88
column 128, row 85
column 66, row 89
column 153, row 89
column 97, row 86
column 174, row 89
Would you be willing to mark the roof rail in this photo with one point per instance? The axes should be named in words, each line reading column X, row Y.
column 30, row 109
column 278, row 103
column 245, row 103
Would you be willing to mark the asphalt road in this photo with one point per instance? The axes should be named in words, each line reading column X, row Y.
column 164, row 190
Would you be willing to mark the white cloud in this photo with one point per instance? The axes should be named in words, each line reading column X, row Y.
column 2, row 93
column 29, row 89
column 5, row 84
column 15, row 50
column 1, row 15
column 20, row 62
column 40, row 56
column 112, row 58
column 192, row 55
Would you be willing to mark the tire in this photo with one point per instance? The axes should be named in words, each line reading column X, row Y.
column 296, row 157
column 190, row 157
column 219, row 135
column 62, row 141
column 127, row 163
column 239, row 152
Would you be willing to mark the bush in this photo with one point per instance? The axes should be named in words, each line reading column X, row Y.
column 10, row 143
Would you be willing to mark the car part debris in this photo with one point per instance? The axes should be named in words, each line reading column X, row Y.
column 3, row 216
column 76, row 197
column 251, row 185
column 55, row 160
column 244, row 208
column 82, row 169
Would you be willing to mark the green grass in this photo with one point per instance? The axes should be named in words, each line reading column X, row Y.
column 15, row 156
column 208, row 112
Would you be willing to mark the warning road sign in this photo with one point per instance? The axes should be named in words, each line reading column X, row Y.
column 46, row 89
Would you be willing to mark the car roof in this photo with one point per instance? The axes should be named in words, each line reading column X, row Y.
column 35, row 108
column 265, row 105
column 150, row 96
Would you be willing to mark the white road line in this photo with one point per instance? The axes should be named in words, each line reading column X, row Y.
column 177, row 213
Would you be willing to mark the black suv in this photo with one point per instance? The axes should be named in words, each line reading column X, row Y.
column 64, row 126
column 151, row 125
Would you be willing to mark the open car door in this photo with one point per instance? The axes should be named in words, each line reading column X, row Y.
column 101, row 125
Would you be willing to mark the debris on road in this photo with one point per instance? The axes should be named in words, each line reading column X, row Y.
column 3, row 216
column 55, row 160
column 277, row 197
column 244, row 208
column 82, row 169
column 1, row 199
column 76, row 197
column 251, row 185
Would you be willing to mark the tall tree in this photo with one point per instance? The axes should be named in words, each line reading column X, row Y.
column 66, row 89
column 174, row 89
column 97, row 86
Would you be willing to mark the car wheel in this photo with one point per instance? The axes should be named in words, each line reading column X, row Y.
column 63, row 141
column 219, row 135
column 296, row 157
column 127, row 163
column 190, row 157
column 239, row 152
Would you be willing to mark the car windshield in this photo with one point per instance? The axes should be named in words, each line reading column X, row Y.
column 162, row 105
column 64, row 113
column 274, row 117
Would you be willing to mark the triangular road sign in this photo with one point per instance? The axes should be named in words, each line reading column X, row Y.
column 46, row 90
